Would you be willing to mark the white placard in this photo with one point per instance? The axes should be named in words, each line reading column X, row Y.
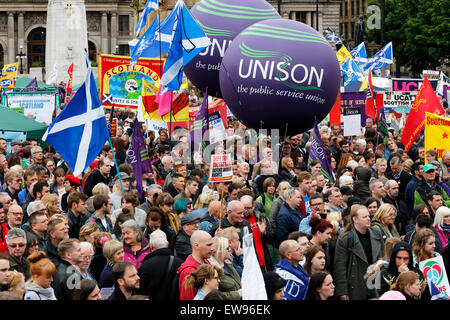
column 217, row 130
column 221, row 168
column 434, row 270
column 40, row 105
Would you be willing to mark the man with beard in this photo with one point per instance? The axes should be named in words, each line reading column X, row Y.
column 126, row 280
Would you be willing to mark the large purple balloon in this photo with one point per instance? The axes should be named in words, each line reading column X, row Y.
column 280, row 73
column 222, row 21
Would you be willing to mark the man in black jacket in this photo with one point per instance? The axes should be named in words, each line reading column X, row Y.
column 77, row 213
column 57, row 231
column 399, row 175
column 126, row 280
column 100, row 175
column 159, row 269
column 189, row 224
column 393, row 197
column 68, row 276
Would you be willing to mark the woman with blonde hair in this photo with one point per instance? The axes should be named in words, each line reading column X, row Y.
column 442, row 225
column 424, row 246
column 380, row 168
column 51, row 202
column 230, row 281
column 42, row 271
column 335, row 219
column 88, row 231
column 98, row 260
column 99, row 188
column 113, row 252
column 205, row 279
column 16, row 282
column 384, row 219
column 408, row 283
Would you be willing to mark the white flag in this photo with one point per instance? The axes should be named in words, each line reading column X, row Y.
column 53, row 75
column 253, row 285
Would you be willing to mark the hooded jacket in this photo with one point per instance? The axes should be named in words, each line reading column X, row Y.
column 390, row 275
column 361, row 187
column 35, row 292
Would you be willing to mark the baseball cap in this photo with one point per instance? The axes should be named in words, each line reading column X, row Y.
column 191, row 217
column 123, row 176
column 15, row 142
column 428, row 167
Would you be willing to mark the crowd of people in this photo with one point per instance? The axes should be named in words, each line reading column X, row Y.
column 93, row 237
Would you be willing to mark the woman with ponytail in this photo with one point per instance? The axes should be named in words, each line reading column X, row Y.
column 205, row 279
column 42, row 271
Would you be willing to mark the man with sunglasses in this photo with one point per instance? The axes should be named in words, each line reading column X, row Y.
column 17, row 242
column 15, row 216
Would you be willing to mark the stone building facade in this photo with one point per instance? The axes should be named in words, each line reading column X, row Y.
column 111, row 23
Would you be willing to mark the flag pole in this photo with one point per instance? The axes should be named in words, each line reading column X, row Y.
column 115, row 163
column 170, row 120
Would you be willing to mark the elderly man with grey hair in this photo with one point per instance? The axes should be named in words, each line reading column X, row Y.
column 289, row 217
column 17, row 243
column 159, row 269
column 233, row 218
column 15, row 216
column 396, row 172
column 33, row 207
column 37, row 155
column 360, row 146
column 87, row 253
column 152, row 192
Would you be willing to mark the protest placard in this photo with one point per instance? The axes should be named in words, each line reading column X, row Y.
column 221, row 168
column 434, row 270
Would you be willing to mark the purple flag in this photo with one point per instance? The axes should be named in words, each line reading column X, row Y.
column 137, row 156
column 317, row 152
column 200, row 125
column 32, row 85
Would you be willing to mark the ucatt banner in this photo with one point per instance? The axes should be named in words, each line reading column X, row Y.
column 121, row 85
column 437, row 134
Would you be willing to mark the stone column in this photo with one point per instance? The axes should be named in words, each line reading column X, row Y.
column 132, row 17
column 308, row 18
column 11, row 38
column 20, row 31
column 104, row 33
column 292, row 15
column 320, row 22
column 114, row 32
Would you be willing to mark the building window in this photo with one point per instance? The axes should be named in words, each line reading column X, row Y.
column 124, row 50
column 341, row 10
column 340, row 28
column 357, row 7
column 353, row 7
column 352, row 31
column 124, row 25
column 345, row 30
column 346, row 8
column 363, row 5
column 300, row 16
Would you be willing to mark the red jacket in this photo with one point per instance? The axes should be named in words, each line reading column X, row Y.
column 3, row 233
column 184, row 270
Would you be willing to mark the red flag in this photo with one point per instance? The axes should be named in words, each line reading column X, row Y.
column 426, row 101
column 335, row 114
column 69, row 84
column 370, row 100
column 379, row 98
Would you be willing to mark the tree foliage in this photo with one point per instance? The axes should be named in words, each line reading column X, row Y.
column 418, row 30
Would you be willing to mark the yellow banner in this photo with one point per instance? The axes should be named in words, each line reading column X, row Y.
column 437, row 134
column 343, row 54
column 10, row 69
column 7, row 82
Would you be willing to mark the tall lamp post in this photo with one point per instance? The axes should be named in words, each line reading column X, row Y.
column 279, row 7
column 317, row 15
column 117, row 50
column 20, row 56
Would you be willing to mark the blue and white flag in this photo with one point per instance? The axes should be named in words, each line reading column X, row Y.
column 435, row 293
column 157, row 40
column 381, row 59
column 188, row 41
column 79, row 132
column 359, row 54
column 350, row 71
column 149, row 7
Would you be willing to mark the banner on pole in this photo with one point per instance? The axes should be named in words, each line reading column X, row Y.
column 437, row 134
column 121, row 85
column 404, row 85
column 39, row 105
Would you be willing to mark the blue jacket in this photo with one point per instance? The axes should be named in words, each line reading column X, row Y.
column 297, row 280
column 288, row 220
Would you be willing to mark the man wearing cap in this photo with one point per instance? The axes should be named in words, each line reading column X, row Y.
column 100, row 175
column 16, row 147
column 189, row 224
column 428, row 184
column 116, row 196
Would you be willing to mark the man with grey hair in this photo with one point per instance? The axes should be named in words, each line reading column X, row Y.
column 17, row 243
column 152, row 192
column 445, row 165
column 360, row 146
column 15, row 216
column 289, row 217
column 377, row 190
column 397, row 173
column 33, row 207
column 335, row 199
column 393, row 197
column 159, row 269
column 37, row 155
column 233, row 218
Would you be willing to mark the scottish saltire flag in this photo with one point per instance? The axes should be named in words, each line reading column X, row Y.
column 350, row 71
column 79, row 132
column 32, row 85
column 149, row 7
column 156, row 40
column 435, row 293
column 359, row 54
column 200, row 126
column 317, row 152
column 381, row 59
column 137, row 156
column 330, row 34
column 188, row 41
